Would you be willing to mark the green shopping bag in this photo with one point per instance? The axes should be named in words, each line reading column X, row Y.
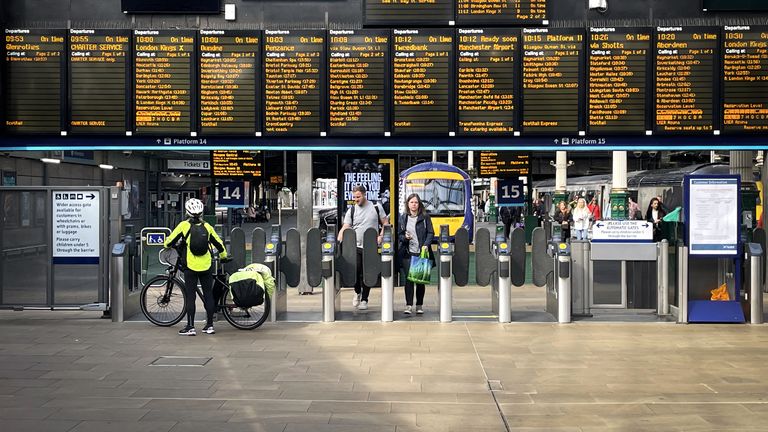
column 420, row 271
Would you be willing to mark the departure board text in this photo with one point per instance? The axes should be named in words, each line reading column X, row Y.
column 163, row 81
column 501, row 11
column 293, row 77
column 34, row 61
column 685, row 79
column 229, row 97
column 236, row 164
column 618, row 80
column 408, row 12
column 504, row 164
column 98, row 62
column 745, row 79
column 422, row 85
column 357, row 82
column 552, row 77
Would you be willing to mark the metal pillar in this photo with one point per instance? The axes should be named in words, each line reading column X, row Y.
column 470, row 160
column 387, row 291
column 755, row 291
column 619, row 195
column 564, row 291
column 662, row 266
column 450, row 157
column 682, row 284
column 561, row 174
column 304, row 207
column 446, row 291
column 505, row 290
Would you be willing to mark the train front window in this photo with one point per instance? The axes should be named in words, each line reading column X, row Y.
column 440, row 197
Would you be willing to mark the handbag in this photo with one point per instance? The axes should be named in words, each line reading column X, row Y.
column 420, row 270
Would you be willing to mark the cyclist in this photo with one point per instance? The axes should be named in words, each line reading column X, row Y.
column 194, row 236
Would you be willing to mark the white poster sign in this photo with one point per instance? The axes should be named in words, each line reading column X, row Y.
column 76, row 226
column 622, row 231
column 713, row 216
column 189, row 165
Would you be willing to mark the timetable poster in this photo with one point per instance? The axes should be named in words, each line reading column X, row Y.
column 163, row 61
column 486, row 81
column 408, row 12
column 745, row 79
column 98, row 77
column 686, row 62
column 496, row 12
column 358, row 78
column 229, row 68
column 294, row 78
column 552, row 80
column 34, row 63
column 423, row 81
column 619, row 60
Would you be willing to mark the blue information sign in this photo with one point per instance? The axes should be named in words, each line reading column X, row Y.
column 510, row 192
column 155, row 238
column 231, row 194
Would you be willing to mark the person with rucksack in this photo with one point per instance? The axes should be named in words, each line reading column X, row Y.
column 195, row 237
column 361, row 216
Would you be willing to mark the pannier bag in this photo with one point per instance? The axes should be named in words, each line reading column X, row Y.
column 248, row 285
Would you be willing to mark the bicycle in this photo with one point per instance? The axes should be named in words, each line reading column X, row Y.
column 163, row 296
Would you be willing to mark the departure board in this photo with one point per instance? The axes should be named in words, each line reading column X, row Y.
column 98, row 77
column 618, row 80
column 236, row 163
column 686, row 59
column 552, row 77
column 501, row 12
column 34, row 62
column 229, row 81
column 294, row 77
column 358, row 77
column 486, row 76
column 504, row 164
column 408, row 12
column 745, row 79
column 163, row 81
column 422, row 81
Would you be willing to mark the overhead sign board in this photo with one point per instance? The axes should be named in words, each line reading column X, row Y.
column 189, row 165
column 231, row 194
column 76, row 227
column 712, row 214
column 622, row 231
column 511, row 192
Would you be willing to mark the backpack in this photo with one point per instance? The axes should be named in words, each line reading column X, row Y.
column 248, row 285
column 197, row 239
column 378, row 213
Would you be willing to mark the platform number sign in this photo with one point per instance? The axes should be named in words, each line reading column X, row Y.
column 231, row 194
column 511, row 192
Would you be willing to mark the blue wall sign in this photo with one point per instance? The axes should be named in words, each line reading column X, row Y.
column 510, row 192
column 231, row 194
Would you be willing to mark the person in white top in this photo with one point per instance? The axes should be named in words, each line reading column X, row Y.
column 581, row 217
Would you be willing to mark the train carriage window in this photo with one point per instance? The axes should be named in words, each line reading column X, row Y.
column 441, row 197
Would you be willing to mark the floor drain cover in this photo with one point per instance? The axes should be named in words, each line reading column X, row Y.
column 178, row 361
column 495, row 385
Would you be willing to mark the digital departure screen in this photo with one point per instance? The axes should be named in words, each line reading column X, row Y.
column 358, row 77
column 686, row 59
column 552, row 77
column 98, row 77
column 294, row 77
column 501, row 11
column 408, row 12
column 504, row 164
column 486, row 77
column 422, row 81
column 34, row 61
column 236, row 163
column 230, row 61
column 163, row 81
column 619, row 80
column 745, row 79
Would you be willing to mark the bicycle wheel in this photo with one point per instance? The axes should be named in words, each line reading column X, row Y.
column 244, row 319
column 162, row 300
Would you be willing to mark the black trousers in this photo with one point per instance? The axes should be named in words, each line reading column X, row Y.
column 420, row 288
column 360, row 287
column 205, row 278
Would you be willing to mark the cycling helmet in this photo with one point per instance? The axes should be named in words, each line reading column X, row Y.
column 194, row 207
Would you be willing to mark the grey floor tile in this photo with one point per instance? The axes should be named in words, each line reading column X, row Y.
column 38, row 425
column 116, row 426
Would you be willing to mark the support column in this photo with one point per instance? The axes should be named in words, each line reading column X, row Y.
column 304, row 207
column 434, row 156
column 561, row 175
column 619, row 196
column 450, row 157
column 470, row 160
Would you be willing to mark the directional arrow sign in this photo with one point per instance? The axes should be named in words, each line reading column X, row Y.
column 622, row 231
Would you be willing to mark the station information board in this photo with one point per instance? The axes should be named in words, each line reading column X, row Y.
column 163, row 81
column 294, row 73
column 501, row 12
column 504, row 164
column 236, row 164
column 686, row 62
column 34, row 62
column 745, row 79
column 618, row 80
column 552, row 80
column 408, row 12
column 486, row 77
column 358, row 77
column 422, row 81
column 229, row 68
column 98, row 77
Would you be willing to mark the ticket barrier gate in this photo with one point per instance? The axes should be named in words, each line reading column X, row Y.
column 331, row 264
column 124, row 292
column 559, row 295
column 500, row 263
column 754, row 252
column 387, row 276
column 452, row 267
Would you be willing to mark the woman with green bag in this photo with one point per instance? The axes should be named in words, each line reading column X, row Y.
column 415, row 235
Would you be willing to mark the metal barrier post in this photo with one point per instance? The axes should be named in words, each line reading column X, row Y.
column 503, row 283
column 755, row 285
column 387, row 279
column 117, row 282
column 682, row 271
column 331, row 297
column 662, row 272
column 445, row 249
column 564, row 284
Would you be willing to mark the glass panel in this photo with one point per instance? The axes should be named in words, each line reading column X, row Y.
column 606, row 285
column 75, row 284
column 672, row 281
column 440, row 197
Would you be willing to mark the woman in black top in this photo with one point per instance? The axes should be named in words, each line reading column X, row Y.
column 414, row 233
